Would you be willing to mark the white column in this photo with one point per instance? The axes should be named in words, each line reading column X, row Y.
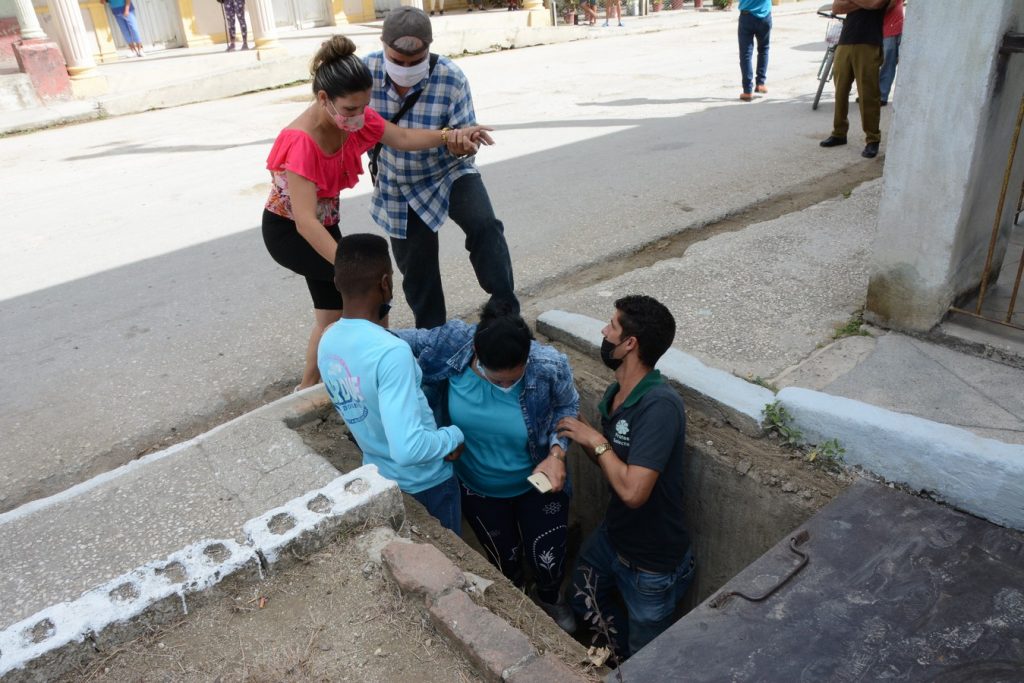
column 536, row 15
column 264, row 25
column 28, row 22
column 67, row 19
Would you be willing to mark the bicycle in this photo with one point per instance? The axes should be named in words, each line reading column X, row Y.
column 835, row 27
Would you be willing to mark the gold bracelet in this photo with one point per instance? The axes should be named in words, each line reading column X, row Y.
column 444, row 135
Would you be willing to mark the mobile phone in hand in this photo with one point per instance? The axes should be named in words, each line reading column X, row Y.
column 540, row 482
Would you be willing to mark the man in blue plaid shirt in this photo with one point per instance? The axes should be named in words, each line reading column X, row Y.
column 416, row 191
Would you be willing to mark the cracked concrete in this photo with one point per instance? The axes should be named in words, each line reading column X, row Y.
column 207, row 488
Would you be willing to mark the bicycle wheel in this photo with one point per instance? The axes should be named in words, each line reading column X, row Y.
column 825, row 75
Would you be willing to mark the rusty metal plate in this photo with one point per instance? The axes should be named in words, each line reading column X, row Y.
column 896, row 588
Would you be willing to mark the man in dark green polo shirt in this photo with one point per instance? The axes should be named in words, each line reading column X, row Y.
column 641, row 549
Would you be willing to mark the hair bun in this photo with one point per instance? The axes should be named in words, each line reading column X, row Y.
column 497, row 308
column 333, row 49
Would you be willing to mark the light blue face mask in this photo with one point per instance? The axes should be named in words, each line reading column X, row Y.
column 505, row 390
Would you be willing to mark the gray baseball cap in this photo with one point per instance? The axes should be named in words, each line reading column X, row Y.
column 407, row 22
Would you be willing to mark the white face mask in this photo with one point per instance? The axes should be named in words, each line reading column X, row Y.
column 406, row 76
column 504, row 390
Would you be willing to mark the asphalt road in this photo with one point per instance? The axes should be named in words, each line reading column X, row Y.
column 138, row 304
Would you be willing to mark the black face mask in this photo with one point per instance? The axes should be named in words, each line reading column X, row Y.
column 607, row 349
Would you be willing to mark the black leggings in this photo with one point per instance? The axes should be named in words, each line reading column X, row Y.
column 534, row 525
column 292, row 251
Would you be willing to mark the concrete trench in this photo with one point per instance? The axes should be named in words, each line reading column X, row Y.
column 743, row 494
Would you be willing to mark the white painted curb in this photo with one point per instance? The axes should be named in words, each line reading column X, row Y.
column 739, row 401
column 195, row 568
column 982, row 476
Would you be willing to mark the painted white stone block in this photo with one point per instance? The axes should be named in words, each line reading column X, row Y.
column 982, row 476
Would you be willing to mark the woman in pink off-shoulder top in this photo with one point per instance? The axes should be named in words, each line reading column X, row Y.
column 316, row 157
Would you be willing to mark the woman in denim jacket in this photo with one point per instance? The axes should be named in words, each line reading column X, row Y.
column 506, row 392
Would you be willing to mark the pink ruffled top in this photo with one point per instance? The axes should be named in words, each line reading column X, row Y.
column 295, row 151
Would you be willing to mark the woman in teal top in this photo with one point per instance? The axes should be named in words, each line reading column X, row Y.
column 506, row 392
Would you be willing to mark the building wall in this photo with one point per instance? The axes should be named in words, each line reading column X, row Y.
column 955, row 103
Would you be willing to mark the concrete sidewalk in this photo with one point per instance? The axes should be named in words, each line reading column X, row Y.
column 766, row 303
column 179, row 76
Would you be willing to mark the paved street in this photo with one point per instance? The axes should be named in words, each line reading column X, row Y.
column 138, row 303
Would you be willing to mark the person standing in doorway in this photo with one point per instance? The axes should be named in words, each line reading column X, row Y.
column 415, row 192
column 128, row 22
column 235, row 9
column 892, row 35
column 437, row 6
column 755, row 24
column 858, row 59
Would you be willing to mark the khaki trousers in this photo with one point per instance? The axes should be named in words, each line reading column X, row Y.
column 858, row 63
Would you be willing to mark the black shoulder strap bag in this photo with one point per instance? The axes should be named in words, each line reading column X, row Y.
column 406, row 106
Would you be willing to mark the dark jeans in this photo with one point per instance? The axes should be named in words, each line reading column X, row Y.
column 443, row 502
column 417, row 254
column 650, row 597
column 532, row 524
column 890, row 58
column 750, row 27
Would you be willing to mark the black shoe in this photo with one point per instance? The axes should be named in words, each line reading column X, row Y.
column 884, row 103
column 431, row 12
column 870, row 150
column 832, row 141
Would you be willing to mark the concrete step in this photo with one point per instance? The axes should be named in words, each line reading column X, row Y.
column 17, row 93
column 58, row 548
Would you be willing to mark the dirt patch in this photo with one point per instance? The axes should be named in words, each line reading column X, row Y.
column 329, row 437
column 329, row 617
column 332, row 616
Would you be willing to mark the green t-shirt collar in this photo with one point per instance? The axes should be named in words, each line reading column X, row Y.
column 650, row 380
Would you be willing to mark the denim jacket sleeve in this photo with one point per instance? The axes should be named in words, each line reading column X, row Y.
column 442, row 351
column 565, row 401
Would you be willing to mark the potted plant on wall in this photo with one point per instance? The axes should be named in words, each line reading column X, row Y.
column 723, row 4
column 655, row 5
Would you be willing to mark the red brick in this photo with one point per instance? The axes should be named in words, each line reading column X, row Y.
column 421, row 569
column 44, row 64
column 484, row 638
column 546, row 669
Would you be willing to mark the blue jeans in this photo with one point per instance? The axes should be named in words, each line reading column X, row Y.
column 417, row 254
column 890, row 58
column 650, row 597
column 750, row 27
column 443, row 502
column 129, row 25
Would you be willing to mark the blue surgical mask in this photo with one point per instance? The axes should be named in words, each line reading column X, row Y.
column 505, row 390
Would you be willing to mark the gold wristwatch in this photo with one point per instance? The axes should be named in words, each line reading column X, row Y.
column 602, row 449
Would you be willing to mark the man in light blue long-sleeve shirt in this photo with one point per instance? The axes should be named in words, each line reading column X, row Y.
column 374, row 381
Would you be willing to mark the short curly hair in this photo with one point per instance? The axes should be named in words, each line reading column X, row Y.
column 647, row 319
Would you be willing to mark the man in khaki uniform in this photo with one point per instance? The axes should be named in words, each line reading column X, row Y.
column 858, row 58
